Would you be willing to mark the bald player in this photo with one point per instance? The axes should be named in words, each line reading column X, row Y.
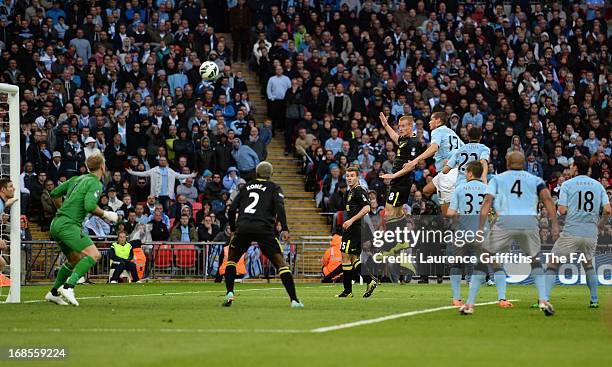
column 514, row 194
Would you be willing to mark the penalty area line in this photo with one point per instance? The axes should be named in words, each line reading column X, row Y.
column 392, row 317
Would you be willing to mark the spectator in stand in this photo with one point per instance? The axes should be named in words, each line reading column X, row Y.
column 533, row 166
column 177, row 208
column 159, row 229
column 339, row 106
column 240, row 24
column 277, row 87
column 213, row 188
column 330, row 184
column 294, row 99
column 531, row 74
column 163, row 179
column 188, row 190
column 303, row 142
column 158, row 207
column 113, row 201
column 207, row 230
column 246, row 159
column 255, row 142
column 231, row 180
column 472, row 117
column 334, row 143
column 48, row 206
column 184, row 231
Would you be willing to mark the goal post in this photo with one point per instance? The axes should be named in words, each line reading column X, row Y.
column 9, row 95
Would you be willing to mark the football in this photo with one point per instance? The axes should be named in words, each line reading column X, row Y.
column 209, row 70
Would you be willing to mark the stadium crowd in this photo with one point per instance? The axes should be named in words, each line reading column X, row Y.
column 121, row 78
column 534, row 77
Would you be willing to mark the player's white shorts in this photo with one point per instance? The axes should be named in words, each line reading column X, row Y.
column 445, row 183
column 499, row 240
column 567, row 244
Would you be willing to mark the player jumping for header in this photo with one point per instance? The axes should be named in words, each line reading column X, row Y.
column 470, row 152
column 81, row 195
column 444, row 141
column 582, row 199
column 408, row 148
column 258, row 205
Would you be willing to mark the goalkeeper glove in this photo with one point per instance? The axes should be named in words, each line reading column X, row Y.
column 111, row 216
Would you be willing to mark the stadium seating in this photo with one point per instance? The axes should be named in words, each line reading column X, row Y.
column 185, row 256
column 163, row 256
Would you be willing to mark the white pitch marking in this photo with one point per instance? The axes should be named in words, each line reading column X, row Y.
column 166, row 330
column 279, row 331
column 391, row 317
column 178, row 293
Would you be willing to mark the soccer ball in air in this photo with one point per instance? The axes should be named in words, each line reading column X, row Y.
column 209, row 70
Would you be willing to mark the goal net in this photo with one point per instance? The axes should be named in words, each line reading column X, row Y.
column 10, row 228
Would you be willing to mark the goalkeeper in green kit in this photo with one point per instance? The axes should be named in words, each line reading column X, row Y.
column 81, row 195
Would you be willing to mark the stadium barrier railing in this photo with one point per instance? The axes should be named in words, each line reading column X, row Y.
column 176, row 260
column 193, row 260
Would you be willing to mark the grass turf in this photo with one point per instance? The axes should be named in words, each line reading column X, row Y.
column 183, row 324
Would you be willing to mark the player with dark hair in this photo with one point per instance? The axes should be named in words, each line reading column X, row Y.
column 472, row 151
column 357, row 206
column 582, row 199
column 258, row 206
column 444, row 142
column 81, row 195
column 7, row 199
column 7, row 194
column 465, row 205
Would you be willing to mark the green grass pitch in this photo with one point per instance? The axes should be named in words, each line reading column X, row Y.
column 183, row 324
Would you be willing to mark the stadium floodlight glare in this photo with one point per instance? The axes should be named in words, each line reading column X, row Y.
column 9, row 168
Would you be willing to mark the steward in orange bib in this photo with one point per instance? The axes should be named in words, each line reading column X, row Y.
column 332, row 260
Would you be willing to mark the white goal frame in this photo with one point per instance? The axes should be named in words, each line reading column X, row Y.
column 14, row 295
